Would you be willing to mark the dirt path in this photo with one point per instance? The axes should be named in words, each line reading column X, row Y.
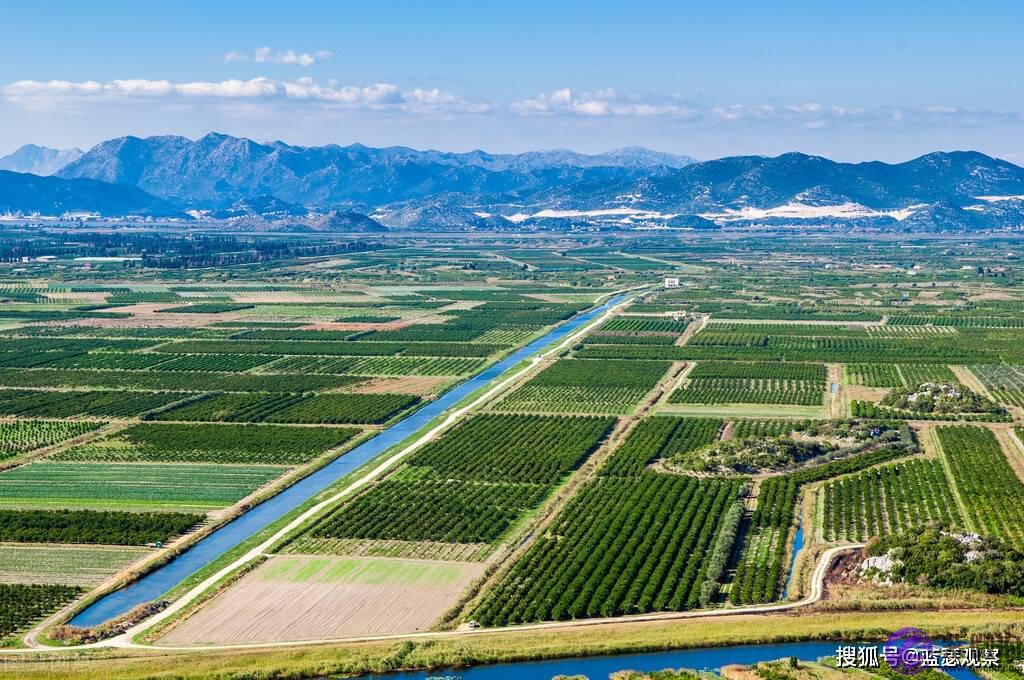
column 691, row 329
column 802, row 322
column 968, row 380
column 837, row 392
column 661, row 392
column 927, row 439
column 729, row 431
column 816, row 592
column 1013, row 448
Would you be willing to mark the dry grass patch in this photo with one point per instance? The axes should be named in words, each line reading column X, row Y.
column 420, row 385
column 862, row 393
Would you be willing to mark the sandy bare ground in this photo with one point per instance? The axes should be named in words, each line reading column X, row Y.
column 421, row 385
column 303, row 597
column 93, row 297
column 862, row 393
column 993, row 295
column 290, row 297
column 836, row 400
column 270, row 297
column 692, row 328
column 1011, row 446
column 968, row 380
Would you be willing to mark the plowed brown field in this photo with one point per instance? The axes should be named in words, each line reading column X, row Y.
column 307, row 597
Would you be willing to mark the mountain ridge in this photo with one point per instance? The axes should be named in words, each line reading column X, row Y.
column 221, row 168
column 38, row 160
column 400, row 187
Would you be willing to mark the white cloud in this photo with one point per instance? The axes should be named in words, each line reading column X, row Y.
column 376, row 96
column 810, row 115
column 255, row 93
column 266, row 55
column 600, row 103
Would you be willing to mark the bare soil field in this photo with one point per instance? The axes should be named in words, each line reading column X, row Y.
column 993, row 295
column 864, row 393
column 279, row 296
column 146, row 314
column 1009, row 443
column 293, row 597
column 421, row 385
column 968, row 380
column 79, row 297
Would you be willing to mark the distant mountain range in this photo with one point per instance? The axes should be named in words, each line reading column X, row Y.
column 39, row 160
column 26, row 193
column 220, row 177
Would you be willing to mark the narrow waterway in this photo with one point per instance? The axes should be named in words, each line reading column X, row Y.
column 601, row 667
column 798, row 543
column 205, row 551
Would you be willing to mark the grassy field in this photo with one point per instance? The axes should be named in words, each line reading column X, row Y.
column 67, row 565
column 329, row 345
column 135, row 486
column 617, row 638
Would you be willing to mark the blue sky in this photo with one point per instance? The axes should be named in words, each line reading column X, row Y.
column 851, row 81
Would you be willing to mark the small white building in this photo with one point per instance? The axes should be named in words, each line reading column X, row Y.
column 672, row 282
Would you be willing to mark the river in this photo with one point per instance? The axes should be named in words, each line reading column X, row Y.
column 600, row 667
column 161, row 580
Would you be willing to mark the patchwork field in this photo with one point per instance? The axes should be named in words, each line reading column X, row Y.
column 306, row 598
column 468, row 487
column 207, row 393
column 793, row 392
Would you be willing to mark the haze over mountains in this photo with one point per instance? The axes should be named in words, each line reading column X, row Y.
column 281, row 186
column 38, row 160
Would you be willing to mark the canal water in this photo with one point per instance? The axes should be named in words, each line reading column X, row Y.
column 798, row 543
column 205, row 551
column 600, row 667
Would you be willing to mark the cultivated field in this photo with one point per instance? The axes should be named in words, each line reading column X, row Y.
column 681, row 454
column 313, row 597
column 64, row 564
